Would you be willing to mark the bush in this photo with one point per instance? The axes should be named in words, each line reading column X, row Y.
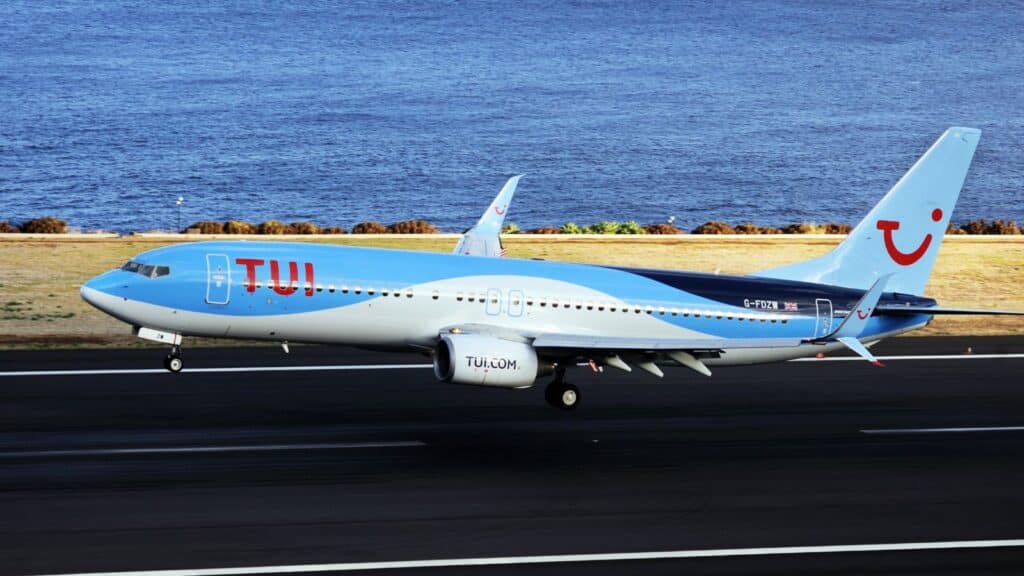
column 272, row 227
column 510, row 228
column 835, row 228
column 770, row 230
column 45, row 225
column 714, row 228
column 953, row 229
column 412, row 227
column 631, row 227
column 207, row 227
column 662, row 229
column 303, row 228
column 802, row 228
column 1005, row 227
column 6, row 228
column 568, row 228
column 238, row 227
column 333, row 230
column 748, row 228
column 369, row 228
column 546, row 230
column 603, row 227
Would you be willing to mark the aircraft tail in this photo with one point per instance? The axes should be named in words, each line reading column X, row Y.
column 902, row 233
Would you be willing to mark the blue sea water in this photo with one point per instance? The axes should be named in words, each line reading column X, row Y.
column 338, row 112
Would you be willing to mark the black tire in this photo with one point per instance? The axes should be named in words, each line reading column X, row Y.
column 562, row 395
column 173, row 364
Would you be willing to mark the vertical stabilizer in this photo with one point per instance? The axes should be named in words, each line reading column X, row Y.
column 484, row 238
column 901, row 234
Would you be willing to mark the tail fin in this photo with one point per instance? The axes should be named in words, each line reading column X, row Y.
column 901, row 234
column 484, row 238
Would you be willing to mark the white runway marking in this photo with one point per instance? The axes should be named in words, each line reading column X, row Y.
column 943, row 430
column 424, row 366
column 566, row 558
column 208, row 449
column 219, row 370
column 918, row 357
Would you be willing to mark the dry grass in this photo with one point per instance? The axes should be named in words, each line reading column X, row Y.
column 39, row 278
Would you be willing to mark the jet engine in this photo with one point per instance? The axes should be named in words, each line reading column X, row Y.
column 485, row 361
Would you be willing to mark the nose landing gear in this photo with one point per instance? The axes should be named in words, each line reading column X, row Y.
column 173, row 362
column 560, row 393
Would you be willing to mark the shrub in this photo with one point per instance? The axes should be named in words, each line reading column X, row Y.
column 369, row 228
column 1005, row 227
column 631, row 227
column 975, row 227
column 835, row 228
column 801, row 228
column 953, row 229
column 412, row 227
column 748, row 228
column 333, row 230
column 303, row 228
column 45, row 225
column 770, row 230
column 603, row 227
column 238, row 227
column 714, row 228
column 546, row 230
column 207, row 227
column 662, row 229
column 510, row 228
column 6, row 228
column 272, row 227
column 569, row 228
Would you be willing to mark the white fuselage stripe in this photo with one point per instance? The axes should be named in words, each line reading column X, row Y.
column 327, row 368
column 569, row 558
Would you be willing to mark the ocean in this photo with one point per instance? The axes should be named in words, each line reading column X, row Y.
column 338, row 112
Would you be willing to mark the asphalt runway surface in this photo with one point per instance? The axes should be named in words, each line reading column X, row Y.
column 149, row 471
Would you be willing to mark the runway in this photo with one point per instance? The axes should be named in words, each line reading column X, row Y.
column 376, row 463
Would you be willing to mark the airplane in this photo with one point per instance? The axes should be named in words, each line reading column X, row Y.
column 484, row 239
column 508, row 322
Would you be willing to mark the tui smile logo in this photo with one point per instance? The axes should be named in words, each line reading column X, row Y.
column 905, row 258
column 499, row 210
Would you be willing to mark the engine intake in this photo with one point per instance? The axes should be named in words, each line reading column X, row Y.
column 485, row 361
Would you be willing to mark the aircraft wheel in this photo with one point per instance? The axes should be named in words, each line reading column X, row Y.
column 173, row 363
column 562, row 395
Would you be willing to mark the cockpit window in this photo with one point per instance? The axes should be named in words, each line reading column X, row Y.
column 147, row 270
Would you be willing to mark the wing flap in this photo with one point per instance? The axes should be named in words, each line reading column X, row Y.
column 594, row 342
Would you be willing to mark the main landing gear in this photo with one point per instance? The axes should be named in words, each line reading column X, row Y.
column 173, row 362
column 560, row 393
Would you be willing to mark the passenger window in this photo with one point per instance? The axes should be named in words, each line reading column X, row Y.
column 435, row 295
column 383, row 291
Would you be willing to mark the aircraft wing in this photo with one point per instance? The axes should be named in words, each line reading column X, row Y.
column 624, row 344
column 483, row 239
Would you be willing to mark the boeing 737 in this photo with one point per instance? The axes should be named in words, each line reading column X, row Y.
column 508, row 322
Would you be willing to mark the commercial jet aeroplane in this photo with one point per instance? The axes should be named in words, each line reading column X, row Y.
column 508, row 322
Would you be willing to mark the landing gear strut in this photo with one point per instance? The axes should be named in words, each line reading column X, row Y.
column 560, row 393
column 173, row 362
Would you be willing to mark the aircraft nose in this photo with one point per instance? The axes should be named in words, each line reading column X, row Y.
column 100, row 291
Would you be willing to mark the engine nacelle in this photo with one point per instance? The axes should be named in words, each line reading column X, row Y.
column 485, row 361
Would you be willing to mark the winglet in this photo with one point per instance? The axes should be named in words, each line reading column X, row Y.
column 855, row 322
column 483, row 238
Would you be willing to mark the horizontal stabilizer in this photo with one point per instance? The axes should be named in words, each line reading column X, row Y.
column 856, row 346
column 896, row 310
